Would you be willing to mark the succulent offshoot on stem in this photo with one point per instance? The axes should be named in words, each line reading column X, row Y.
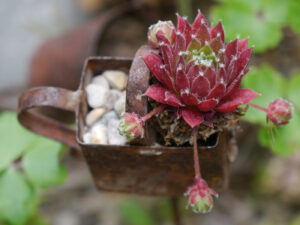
column 279, row 111
column 132, row 124
column 199, row 195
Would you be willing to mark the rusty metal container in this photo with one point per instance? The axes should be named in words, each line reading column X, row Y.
column 140, row 168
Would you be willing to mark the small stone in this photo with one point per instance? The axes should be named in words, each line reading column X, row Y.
column 114, row 137
column 119, row 106
column 101, row 81
column 99, row 135
column 112, row 97
column 96, row 95
column 94, row 115
column 116, row 78
column 87, row 138
column 111, row 115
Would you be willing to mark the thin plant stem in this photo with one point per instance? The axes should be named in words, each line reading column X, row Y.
column 158, row 109
column 258, row 107
column 196, row 157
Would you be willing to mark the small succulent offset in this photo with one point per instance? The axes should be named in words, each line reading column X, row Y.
column 132, row 126
column 199, row 196
column 198, row 76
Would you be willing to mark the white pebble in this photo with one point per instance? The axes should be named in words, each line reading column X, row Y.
column 94, row 115
column 101, row 81
column 111, row 115
column 117, row 79
column 119, row 106
column 99, row 135
column 87, row 138
column 114, row 137
column 112, row 97
column 96, row 95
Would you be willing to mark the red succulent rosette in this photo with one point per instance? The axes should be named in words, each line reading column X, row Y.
column 197, row 72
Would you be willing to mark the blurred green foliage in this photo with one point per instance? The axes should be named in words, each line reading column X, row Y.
column 293, row 16
column 28, row 162
column 134, row 213
column 260, row 20
column 271, row 85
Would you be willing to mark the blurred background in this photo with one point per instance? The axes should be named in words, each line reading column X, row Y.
column 45, row 43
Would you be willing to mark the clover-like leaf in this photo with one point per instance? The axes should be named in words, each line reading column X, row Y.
column 260, row 20
column 293, row 15
column 41, row 163
column 270, row 84
column 16, row 197
column 14, row 139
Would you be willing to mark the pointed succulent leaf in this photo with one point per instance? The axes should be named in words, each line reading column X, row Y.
column 216, row 44
column 210, row 74
column 203, row 34
column 181, row 24
column 243, row 60
column 172, row 99
column 240, row 97
column 232, row 71
column 193, row 71
column 217, row 92
column 182, row 82
column 222, row 75
column 192, row 117
column 154, row 64
column 200, row 86
column 230, row 52
column 167, row 80
column 189, row 99
column 180, row 43
column 207, row 105
column 218, row 31
column 166, row 50
column 157, row 93
column 242, row 45
column 235, row 84
column 200, row 19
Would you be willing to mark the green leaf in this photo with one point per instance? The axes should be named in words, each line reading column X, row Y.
column 41, row 163
column 270, row 84
column 286, row 138
column 16, row 197
column 293, row 90
column 294, row 15
column 260, row 20
column 14, row 139
column 134, row 214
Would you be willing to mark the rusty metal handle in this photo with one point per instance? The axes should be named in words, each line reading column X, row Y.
column 48, row 97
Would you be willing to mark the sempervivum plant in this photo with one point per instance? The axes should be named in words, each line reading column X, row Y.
column 198, row 76
column 197, row 72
